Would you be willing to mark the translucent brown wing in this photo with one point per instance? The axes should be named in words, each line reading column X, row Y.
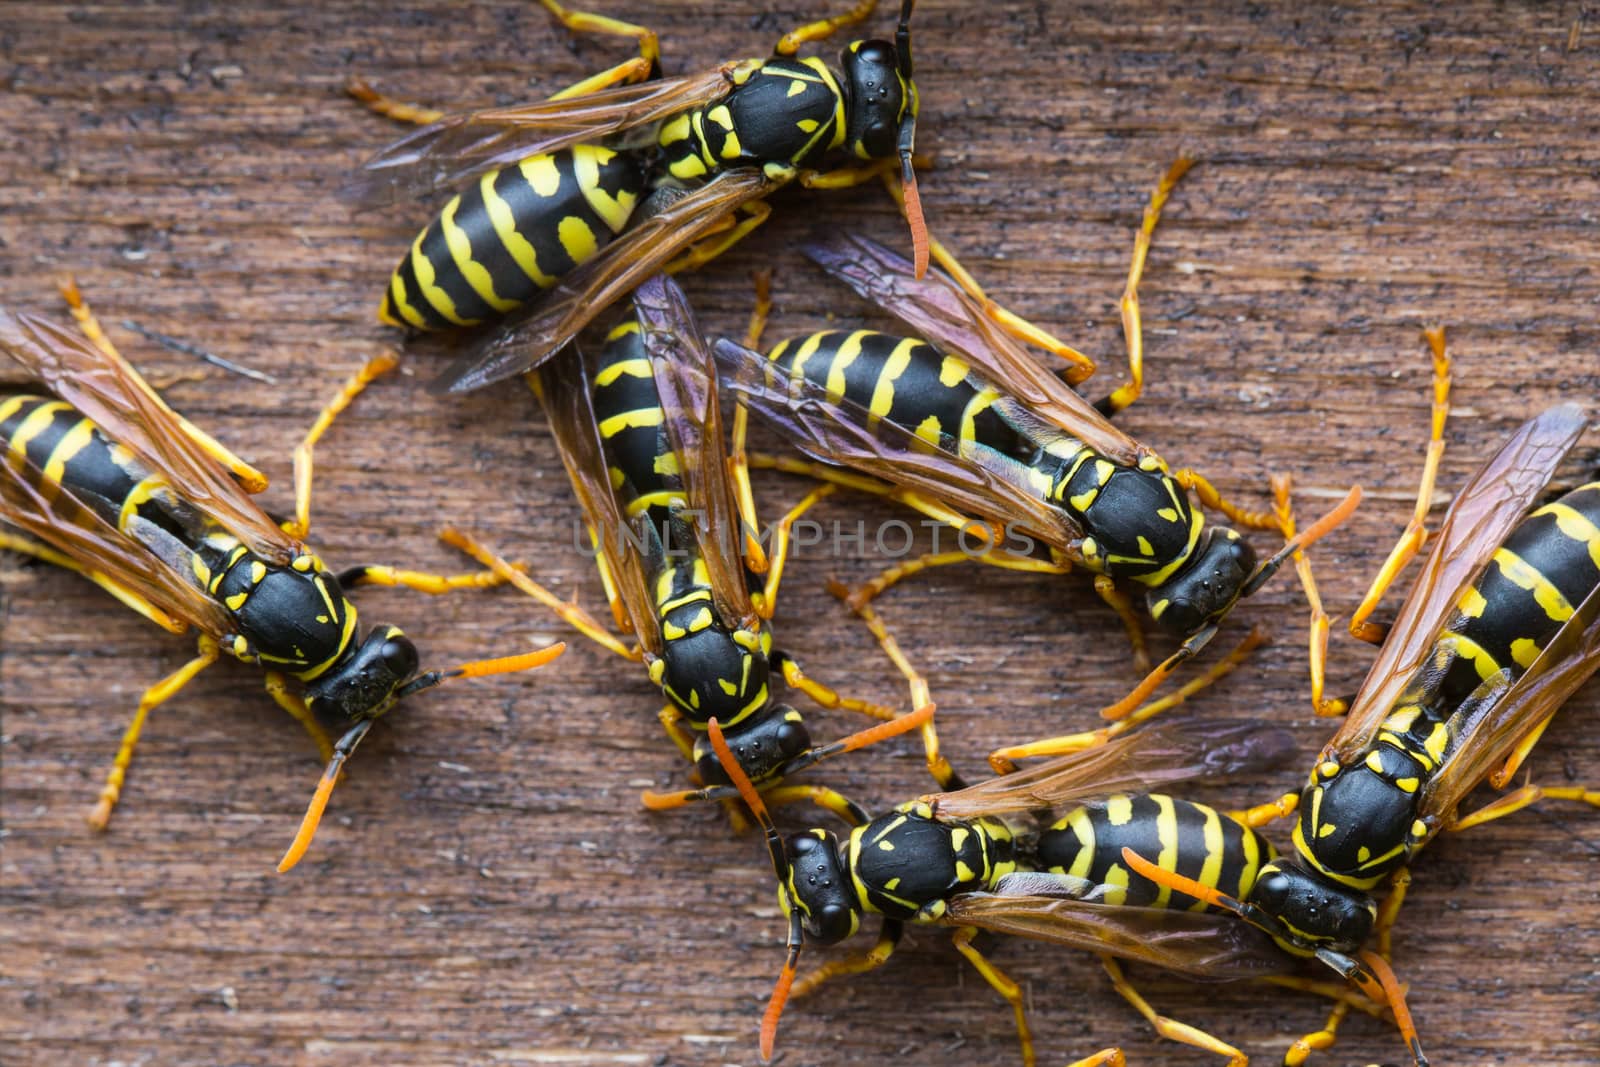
column 835, row 430
column 1482, row 515
column 71, row 528
column 448, row 152
column 686, row 380
column 940, row 312
column 563, row 389
column 1198, row 945
column 115, row 398
column 1142, row 762
column 1489, row 735
column 532, row 336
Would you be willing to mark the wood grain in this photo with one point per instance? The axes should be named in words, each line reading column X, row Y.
column 488, row 890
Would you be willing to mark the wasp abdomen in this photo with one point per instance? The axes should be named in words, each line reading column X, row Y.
column 1194, row 840
column 514, row 232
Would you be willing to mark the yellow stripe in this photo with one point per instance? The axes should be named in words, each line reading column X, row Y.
column 614, row 211
column 893, row 367
column 663, row 499
column 476, row 274
column 1082, row 825
column 633, row 368
column 427, row 280
column 1211, row 870
column 11, row 405
column 1520, row 573
column 1197, row 524
column 1575, row 525
column 968, row 435
column 505, row 226
column 1167, row 834
column 397, row 300
column 844, row 355
column 630, row 420
column 71, row 443
column 33, row 425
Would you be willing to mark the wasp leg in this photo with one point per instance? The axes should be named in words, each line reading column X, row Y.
column 162, row 691
column 1262, row 814
column 1317, row 648
column 1119, row 602
column 587, row 22
column 1522, row 798
column 1215, row 501
column 766, row 599
column 1519, row 754
column 1170, row 1029
column 1415, row 533
column 436, row 584
column 390, row 108
column 847, row 177
column 277, row 688
column 822, row 472
column 568, row 611
column 1003, row 760
column 1001, row 983
column 122, row 593
column 1319, row 1040
column 872, row 588
column 1106, row 1057
column 829, row 800
column 704, row 251
column 672, row 721
column 938, row 766
column 375, row 367
column 755, row 554
column 1132, row 322
column 251, row 479
column 791, row 42
column 1080, row 368
column 825, row 696
column 861, row 963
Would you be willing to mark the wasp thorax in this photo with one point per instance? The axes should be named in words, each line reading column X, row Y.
column 363, row 684
column 712, row 672
column 877, row 97
column 1315, row 912
column 820, row 887
column 762, row 744
column 1207, row 587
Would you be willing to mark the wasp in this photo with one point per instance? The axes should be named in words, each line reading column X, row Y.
column 1037, row 854
column 575, row 200
column 642, row 441
column 962, row 424
column 106, row 480
column 1500, row 627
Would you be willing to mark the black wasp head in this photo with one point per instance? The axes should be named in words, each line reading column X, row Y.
column 363, row 685
column 1207, row 587
column 877, row 97
column 819, row 887
column 762, row 744
column 1313, row 912
column 709, row 671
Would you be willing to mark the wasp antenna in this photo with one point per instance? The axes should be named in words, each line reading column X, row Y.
column 1315, row 532
column 525, row 661
column 752, row 799
column 319, row 800
column 780, row 991
column 1180, row 884
column 1395, row 994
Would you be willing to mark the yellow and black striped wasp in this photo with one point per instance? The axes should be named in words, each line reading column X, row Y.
column 963, row 425
column 1501, row 626
column 642, row 440
column 106, row 480
column 575, row 200
column 1038, row 854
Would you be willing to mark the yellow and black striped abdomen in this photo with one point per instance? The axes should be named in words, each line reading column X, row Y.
column 1531, row 586
column 516, row 231
column 644, row 469
column 1191, row 839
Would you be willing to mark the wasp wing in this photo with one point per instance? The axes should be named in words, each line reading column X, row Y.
column 448, row 152
column 1199, row 945
column 113, row 396
column 532, row 336
column 150, row 565
column 563, row 388
column 686, row 380
column 1492, row 731
column 1143, row 762
column 1482, row 515
column 939, row 311
column 832, row 429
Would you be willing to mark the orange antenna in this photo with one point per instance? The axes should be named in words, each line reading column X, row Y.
column 1180, row 884
column 1395, row 994
column 526, row 661
column 1315, row 532
column 908, row 142
column 883, row 731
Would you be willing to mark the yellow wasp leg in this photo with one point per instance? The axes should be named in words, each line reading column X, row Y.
column 1106, row 1057
column 1001, row 983
column 755, row 555
column 791, row 42
column 251, row 479
column 1132, row 322
column 873, row 587
column 121, row 592
column 826, row 697
column 1013, row 325
column 672, row 721
column 568, row 611
column 163, row 690
column 766, row 599
column 422, row 582
column 1170, row 1029
column 586, row 22
column 1415, row 534
column 389, row 107
column 1215, row 501
column 1519, row 754
column 938, row 766
column 1262, row 814
column 1003, row 760
column 829, row 800
column 860, row 963
column 375, row 367
column 1119, row 602
column 822, row 472
column 1522, row 798
column 847, row 177
column 1317, row 647
column 704, row 251
column 1318, row 1040
column 278, row 689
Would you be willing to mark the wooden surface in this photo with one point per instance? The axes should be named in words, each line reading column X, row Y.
column 488, row 890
